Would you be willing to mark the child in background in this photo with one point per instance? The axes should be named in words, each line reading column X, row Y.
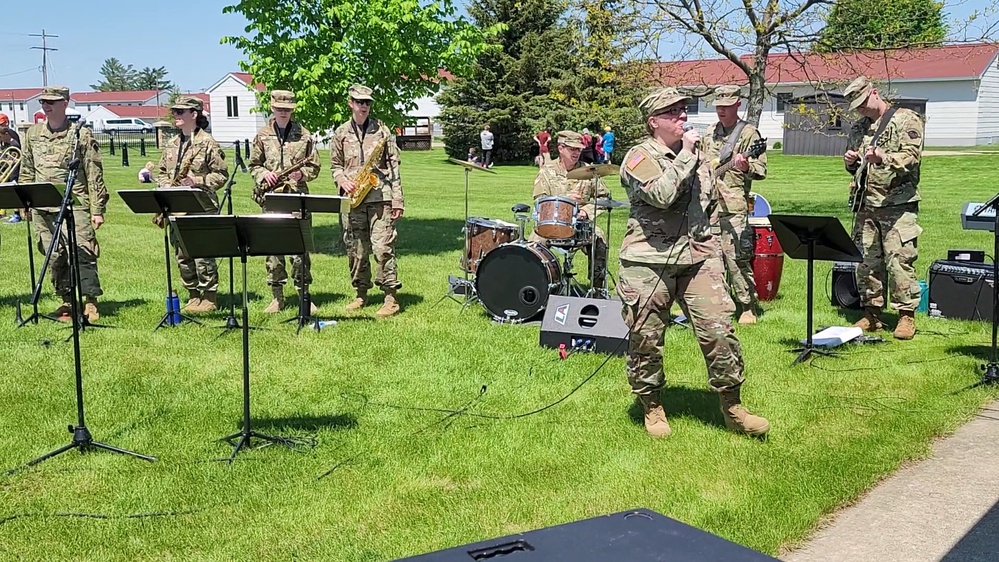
column 146, row 174
column 473, row 157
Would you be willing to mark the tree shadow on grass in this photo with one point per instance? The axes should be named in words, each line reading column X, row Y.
column 680, row 401
column 307, row 423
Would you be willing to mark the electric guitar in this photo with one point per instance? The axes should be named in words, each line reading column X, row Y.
column 859, row 193
column 758, row 147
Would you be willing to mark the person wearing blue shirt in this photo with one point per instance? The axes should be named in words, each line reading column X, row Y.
column 608, row 144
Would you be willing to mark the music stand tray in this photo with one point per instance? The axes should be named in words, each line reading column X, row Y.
column 813, row 238
column 223, row 236
column 166, row 201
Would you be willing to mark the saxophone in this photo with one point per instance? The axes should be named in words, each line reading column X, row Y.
column 366, row 179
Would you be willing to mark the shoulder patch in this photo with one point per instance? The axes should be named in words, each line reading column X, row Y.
column 643, row 166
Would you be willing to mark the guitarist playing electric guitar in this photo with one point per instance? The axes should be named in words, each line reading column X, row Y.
column 883, row 155
column 738, row 156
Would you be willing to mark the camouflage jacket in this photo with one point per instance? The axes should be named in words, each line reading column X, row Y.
column 732, row 190
column 46, row 156
column 272, row 153
column 199, row 156
column 895, row 181
column 346, row 160
column 668, row 224
column 551, row 181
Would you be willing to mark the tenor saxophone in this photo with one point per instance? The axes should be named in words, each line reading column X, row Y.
column 366, row 179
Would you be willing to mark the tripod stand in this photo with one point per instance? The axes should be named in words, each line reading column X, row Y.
column 29, row 196
column 167, row 202
column 457, row 286
column 812, row 238
column 230, row 320
column 214, row 236
column 82, row 438
column 991, row 369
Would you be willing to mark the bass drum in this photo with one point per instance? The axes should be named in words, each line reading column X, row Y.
column 514, row 281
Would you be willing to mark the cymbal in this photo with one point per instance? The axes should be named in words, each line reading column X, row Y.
column 471, row 166
column 591, row 171
column 611, row 204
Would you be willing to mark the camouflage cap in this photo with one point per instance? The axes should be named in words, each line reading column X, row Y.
column 858, row 91
column 571, row 139
column 359, row 92
column 282, row 99
column 188, row 102
column 727, row 95
column 54, row 93
column 660, row 99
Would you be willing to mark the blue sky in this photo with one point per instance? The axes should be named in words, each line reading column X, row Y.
column 142, row 34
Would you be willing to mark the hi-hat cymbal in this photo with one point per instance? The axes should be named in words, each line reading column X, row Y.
column 611, row 204
column 470, row 165
column 591, row 171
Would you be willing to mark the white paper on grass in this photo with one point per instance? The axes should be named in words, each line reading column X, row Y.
column 836, row 335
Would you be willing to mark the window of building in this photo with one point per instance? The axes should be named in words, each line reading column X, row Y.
column 232, row 106
column 694, row 107
column 782, row 100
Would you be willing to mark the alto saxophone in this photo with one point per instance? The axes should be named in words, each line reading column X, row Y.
column 366, row 179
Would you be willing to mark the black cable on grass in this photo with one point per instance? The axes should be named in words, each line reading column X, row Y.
column 856, row 369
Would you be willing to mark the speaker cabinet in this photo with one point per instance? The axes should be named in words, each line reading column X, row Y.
column 584, row 324
column 639, row 535
column 961, row 290
column 844, row 293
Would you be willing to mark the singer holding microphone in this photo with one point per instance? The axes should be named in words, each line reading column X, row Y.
column 669, row 253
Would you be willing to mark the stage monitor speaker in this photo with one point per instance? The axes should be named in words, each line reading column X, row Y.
column 584, row 324
column 638, row 535
column 961, row 290
column 844, row 293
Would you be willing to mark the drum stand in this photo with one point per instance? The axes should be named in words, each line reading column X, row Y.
column 571, row 287
column 456, row 286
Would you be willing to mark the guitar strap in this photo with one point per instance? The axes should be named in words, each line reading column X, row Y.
column 885, row 120
column 733, row 137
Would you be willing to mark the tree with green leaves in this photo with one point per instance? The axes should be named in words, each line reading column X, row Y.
column 152, row 79
column 885, row 24
column 318, row 49
column 116, row 77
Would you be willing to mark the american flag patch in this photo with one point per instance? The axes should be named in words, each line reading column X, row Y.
column 637, row 159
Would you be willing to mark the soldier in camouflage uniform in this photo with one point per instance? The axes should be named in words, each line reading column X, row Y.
column 277, row 147
column 552, row 181
column 732, row 193
column 371, row 226
column 193, row 159
column 885, row 226
column 668, row 254
column 47, row 153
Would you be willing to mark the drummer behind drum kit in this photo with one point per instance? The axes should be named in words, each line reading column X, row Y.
column 514, row 277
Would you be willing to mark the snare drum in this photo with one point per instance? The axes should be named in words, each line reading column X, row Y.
column 582, row 235
column 482, row 236
column 555, row 217
column 768, row 259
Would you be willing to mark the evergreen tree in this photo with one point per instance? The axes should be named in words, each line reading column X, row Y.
column 886, row 24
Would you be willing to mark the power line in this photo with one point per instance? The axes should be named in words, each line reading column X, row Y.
column 45, row 49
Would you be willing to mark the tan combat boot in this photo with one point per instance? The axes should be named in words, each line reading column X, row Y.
column 358, row 302
column 906, row 328
column 747, row 317
column 278, row 303
column 655, row 416
column 193, row 301
column 738, row 418
column 871, row 322
column 209, row 302
column 390, row 306
column 90, row 310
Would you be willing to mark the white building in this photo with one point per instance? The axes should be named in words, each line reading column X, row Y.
column 236, row 116
column 20, row 104
column 959, row 83
column 89, row 101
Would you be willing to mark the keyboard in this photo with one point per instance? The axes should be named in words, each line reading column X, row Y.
column 984, row 221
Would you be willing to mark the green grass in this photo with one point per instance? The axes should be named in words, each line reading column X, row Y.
column 407, row 478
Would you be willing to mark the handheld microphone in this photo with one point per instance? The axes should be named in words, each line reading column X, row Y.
column 687, row 127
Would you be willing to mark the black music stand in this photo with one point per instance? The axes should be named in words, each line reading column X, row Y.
column 813, row 238
column 165, row 201
column 221, row 236
column 304, row 205
column 991, row 369
column 28, row 196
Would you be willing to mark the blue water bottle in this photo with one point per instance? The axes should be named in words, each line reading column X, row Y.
column 173, row 308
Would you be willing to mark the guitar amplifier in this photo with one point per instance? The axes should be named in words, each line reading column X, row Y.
column 961, row 290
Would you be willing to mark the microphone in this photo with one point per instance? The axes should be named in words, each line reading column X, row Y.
column 239, row 161
column 687, row 127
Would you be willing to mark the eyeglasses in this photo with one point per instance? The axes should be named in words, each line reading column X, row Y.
column 673, row 111
column 361, row 102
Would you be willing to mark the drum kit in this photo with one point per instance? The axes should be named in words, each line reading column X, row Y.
column 513, row 277
column 767, row 262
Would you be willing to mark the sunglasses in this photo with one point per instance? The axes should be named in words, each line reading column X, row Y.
column 361, row 102
column 49, row 102
column 179, row 111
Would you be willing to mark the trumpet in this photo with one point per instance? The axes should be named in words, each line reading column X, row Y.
column 10, row 159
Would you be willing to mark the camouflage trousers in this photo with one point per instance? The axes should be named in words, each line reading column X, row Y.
column 598, row 269
column 737, row 246
column 301, row 266
column 371, row 230
column 887, row 237
column 88, row 250
column 648, row 291
column 196, row 274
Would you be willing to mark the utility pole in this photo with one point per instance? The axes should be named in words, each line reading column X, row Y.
column 44, row 49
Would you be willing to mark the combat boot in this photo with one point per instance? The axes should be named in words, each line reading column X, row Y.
column 871, row 322
column 390, row 306
column 906, row 328
column 90, row 310
column 358, row 302
column 747, row 317
column 278, row 303
column 738, row 418
column 655, row 416
column 193, row 301
column 209, row 302
column 64, row 311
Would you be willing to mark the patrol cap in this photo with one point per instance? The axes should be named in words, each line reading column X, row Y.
column 660, row 99
column 188, row 102
column 858, row 91
column 54, row 93
column 282, row 99
column 571, row 139
column 359, row 92
column 726, row 95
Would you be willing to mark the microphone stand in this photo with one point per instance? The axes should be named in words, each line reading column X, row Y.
column 230, row 322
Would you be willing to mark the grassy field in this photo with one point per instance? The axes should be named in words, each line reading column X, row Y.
column 419, row 442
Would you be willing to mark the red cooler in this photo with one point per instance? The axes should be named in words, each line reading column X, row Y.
column 768, row 259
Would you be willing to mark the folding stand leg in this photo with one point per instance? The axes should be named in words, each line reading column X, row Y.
column 809, row 348
column 167, row 319
column 304, row 317
column 33, row 318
